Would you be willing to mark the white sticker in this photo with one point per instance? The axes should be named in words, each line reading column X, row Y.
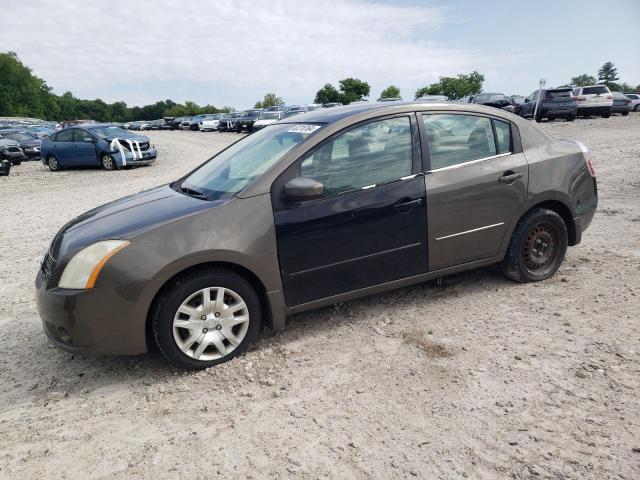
column 303, row 128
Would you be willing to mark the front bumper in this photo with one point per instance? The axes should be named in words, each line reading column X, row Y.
column 105, row 320
column 32, row 154
column 148, row 156
column 13, row 156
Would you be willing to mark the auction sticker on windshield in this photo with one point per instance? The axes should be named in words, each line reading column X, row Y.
column 303, row 128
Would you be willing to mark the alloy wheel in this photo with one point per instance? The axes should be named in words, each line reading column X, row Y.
column 211, row 323
column 53, row 163
column 107, row 162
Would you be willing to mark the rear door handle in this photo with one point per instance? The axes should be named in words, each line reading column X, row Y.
column 510, row 177
column 406, row 206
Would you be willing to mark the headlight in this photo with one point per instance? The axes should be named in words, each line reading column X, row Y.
column 85, row 266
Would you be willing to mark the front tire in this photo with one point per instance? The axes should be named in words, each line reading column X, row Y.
column 606, row 115
column 206, row 318
column 108, row 162
column 537, row 247
column 53, row 164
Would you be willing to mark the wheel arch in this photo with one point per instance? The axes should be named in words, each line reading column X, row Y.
column 244, row 272
column 552, row 202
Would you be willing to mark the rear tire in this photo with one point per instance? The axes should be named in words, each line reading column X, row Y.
column 606, row 115
column 571, row 118
column 537, row 247
column 624, row 114
column 214, row 334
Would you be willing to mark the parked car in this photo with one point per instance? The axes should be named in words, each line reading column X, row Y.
column 228, row 122
column 247, row 118
column 192, row 123
column 554, row 103
column 96, row 145
column 331, row 104
column 594, row 100
column 10, row 150
column 467, row 99
column 157, row 124
column 496, row 100
column 176, row 122
column 266, row 118
column 635, row 101
column 432, row 98
column 389, row 99
column 517, row 99
column 144, row 125
column 210, row 122
column 40, row 131
column 621, row 104
column 321, row 208
column 28, row 142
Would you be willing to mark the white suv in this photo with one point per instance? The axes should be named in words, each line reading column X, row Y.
column 594, row 100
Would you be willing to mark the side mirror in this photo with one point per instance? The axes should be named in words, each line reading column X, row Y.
column 300, row 189
column 526, row 100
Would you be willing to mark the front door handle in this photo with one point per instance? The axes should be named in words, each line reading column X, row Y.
column 510, row 176
column 405, row 206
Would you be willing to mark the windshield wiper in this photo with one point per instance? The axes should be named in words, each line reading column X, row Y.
column 192, row 192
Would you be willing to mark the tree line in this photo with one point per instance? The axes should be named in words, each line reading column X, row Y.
column 22, row 94
column 607, row 75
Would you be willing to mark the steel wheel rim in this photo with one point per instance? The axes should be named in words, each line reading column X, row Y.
column 540, row 249
column 211, row 323
column 107, row 162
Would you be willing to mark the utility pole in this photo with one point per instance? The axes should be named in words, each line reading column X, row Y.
column 541, row 84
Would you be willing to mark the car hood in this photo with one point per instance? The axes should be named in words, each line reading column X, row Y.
column 139, row 138
column 31, row 143
column 125, row 218
column 7, row 142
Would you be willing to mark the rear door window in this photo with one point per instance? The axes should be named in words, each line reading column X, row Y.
column 454, row 139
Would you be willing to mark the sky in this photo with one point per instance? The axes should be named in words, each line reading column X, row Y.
column 230, row 53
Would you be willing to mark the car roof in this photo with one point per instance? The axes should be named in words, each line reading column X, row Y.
column 335, row 114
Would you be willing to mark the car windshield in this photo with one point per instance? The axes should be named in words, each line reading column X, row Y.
column 269, row 116
column 18, row 136
column 111, row 132
column 566, row 92
column 239, row 165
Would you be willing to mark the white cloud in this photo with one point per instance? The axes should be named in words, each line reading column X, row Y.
column 228, row 52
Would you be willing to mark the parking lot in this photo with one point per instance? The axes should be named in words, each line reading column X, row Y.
column 477, row 378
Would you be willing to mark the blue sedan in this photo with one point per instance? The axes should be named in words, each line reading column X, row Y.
column 96, row 145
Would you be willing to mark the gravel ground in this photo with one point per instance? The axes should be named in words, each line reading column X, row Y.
column 477, row 378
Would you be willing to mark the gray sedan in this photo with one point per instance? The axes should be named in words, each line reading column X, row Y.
column 315, row 209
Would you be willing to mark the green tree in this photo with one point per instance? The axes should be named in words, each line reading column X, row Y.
column 269, row 100
column 390, row 92
column 454, row 87
column 608, row 74
column 327, row 94
column 583, row 80
column 353, row 90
